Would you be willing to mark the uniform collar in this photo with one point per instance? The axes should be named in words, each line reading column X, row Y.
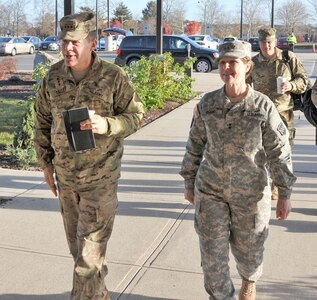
column 278, row 56
column 95, row 65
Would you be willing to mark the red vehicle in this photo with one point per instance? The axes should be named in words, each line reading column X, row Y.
column 282, row 43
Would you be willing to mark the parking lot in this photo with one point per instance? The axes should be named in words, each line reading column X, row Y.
column 25, row 61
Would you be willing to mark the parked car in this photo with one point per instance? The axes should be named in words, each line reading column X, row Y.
column 229, row 39
column 101, row 45
column 15, row 45
column 133, row 47
column 254, row 41
column 119, row 39
column 51, row 43
column 205, row 40
column 282, row 43
column 36, row 41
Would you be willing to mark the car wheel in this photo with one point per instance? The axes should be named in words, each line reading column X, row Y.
column 203, row 65
column 31, row 51
column 132, row 61
column 13, row 52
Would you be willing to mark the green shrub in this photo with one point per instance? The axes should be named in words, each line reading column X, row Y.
column 22, row 147
column 159, row 79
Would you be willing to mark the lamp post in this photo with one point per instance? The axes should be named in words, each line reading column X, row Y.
column 241, row 19
column 205, row 14
column 68, row 7
column 159, row 28
column 97, row 34
column 108, row 14
column 56, row 17
column 272, row 14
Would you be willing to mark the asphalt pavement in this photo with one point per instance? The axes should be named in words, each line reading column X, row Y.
column 153, row 253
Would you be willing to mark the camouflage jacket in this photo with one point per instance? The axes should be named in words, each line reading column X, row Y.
column 107, row 90
column 265, row 73
column 231, row 145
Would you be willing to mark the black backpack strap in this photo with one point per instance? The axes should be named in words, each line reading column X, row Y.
column 287, row 60
column 285, row 56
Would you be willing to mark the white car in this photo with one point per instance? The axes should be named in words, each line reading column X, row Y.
column 205, row 41
column 15, row 45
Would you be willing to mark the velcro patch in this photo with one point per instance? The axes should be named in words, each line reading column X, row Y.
column 281, row 128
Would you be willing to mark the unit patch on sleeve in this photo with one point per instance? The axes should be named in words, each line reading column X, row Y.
column 281, row 128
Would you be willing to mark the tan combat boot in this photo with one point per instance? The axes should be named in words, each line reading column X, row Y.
column 248, row 290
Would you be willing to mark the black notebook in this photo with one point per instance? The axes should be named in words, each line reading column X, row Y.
column 78, row 139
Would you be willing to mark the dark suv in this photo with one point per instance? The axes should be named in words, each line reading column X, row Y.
column 254, row 41
column 133, row 47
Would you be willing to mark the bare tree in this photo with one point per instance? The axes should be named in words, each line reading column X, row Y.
column 292, row 14
column 168, row 7
column 18, row 16
column 5, row 19
column 176, row 16
column 252, row 10
column 43, row 24
column 210, row 11
column 313, row 4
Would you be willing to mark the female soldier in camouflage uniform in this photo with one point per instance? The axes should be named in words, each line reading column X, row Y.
column 236, row 135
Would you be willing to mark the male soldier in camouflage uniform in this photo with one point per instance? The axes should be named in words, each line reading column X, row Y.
column 270, row 64
column 86, row 180
column 237, row 134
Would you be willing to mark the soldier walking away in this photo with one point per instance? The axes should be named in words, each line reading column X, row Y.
column 236, row 135
column 86, row 180
column 270, row 64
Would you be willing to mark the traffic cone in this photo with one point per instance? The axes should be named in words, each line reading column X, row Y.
column 313, row 48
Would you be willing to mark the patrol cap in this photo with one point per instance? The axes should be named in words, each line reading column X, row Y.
column 267, row 34
column 237, row 49
column 77, row 26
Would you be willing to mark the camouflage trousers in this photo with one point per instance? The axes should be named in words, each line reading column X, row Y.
column 88, row 220
column 241, row 224
column 288, row 119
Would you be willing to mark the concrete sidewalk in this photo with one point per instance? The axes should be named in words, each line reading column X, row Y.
column 154, row 251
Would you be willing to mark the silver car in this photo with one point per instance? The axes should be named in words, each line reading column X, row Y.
column 15, row 45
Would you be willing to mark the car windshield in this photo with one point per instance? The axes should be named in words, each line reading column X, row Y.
column 4, row 39
column 51, row 39
column 26, row 38
column 196, row 38
column 189, row 41
column 228, row 39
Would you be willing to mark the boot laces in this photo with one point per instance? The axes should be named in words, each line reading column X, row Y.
column 247, row 288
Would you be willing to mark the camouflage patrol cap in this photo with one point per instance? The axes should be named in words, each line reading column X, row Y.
column 237, row 49
column 267, row 34
column 77, row 26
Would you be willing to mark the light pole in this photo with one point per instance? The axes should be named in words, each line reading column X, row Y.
column 241, row 19
column 159, row 27
column 272, row 14
column 68, row 7
column 108, row 14
column 56, row 17
column 97, row 34
column 205, row 15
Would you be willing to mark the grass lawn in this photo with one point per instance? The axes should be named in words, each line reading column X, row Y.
column 12, row 111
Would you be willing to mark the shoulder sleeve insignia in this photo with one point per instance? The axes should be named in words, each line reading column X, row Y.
column 281, row 128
